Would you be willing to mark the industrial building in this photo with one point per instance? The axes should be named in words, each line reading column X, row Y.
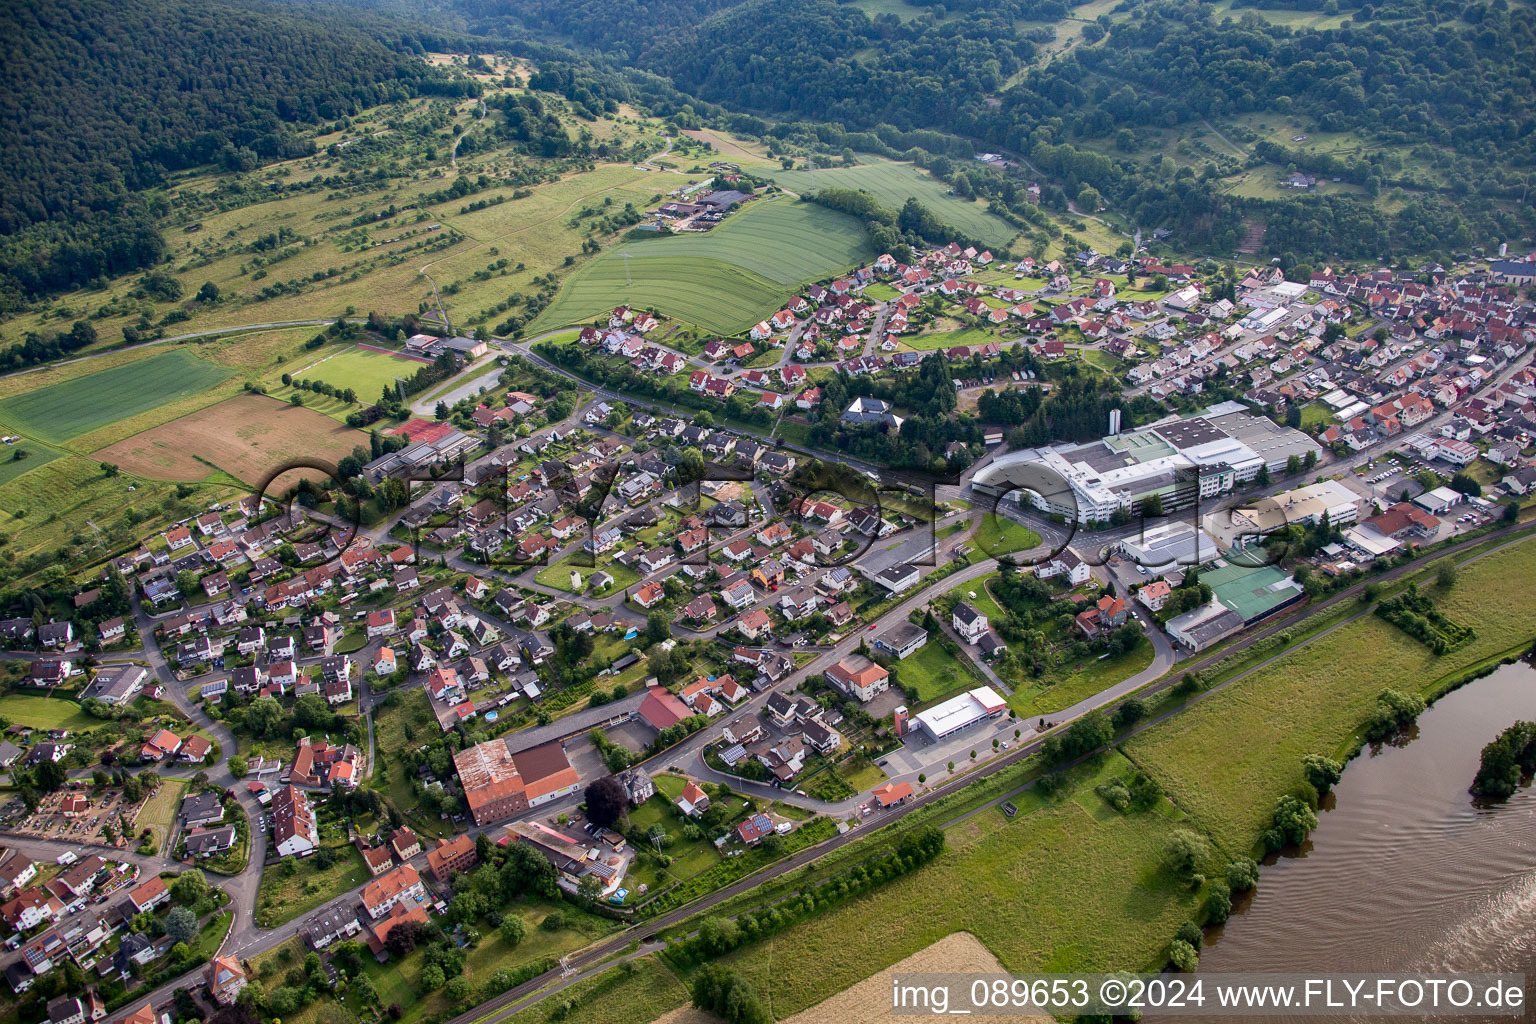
column 1303, row 506
column 498, row 783
column 1168, row 545
column 1204, row 626
column 1252, row 591
column 1179, row 460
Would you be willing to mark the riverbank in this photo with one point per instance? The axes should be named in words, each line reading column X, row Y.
column 1402, row 841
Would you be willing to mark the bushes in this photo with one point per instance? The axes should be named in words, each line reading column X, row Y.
column 1395, row 712
column 729, row 996
column 1242, row 874
column 1290, row 822
column 1322, row 772
column 1183, row 956
column 1417, row 616
column 1218, row 903
column 1085, row 735
column 1504, row 760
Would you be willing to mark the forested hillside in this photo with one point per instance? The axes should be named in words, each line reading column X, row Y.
column 100, row 99
column 1438, row 95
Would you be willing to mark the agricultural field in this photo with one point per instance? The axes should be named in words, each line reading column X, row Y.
column 893, row 184
column 312, row 252
column 57, row 506
column 725, row 280
column 247, row 437
column 59, row 412
column 1322, row 693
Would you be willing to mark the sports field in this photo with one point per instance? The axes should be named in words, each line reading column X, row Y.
column 247, row 436
column 61, row 411
column 366, row 371
column 725, row 280
column 893, row 184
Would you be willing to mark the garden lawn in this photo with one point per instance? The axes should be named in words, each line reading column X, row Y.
column 212, row 935
column 1316, row 414
column 62, row 411
column 558, row 575
column 159, row 811
column 947, row 339
column 689, row 856
column 284, row 897
column 935, row 673
column 1314, row 699
column 983, row 602
column 47, row 712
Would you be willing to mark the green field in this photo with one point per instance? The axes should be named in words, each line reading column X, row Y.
column 725, row 280
column 636, row 993
column 1063, row 689
column 935, row 673
column 36, row 454
column 558, row 575
column 61, row 411
column 363, row 370
column 47, row 713
column 283, row 897
column 893, row 183
column 1107, row 906
column 998, row 536
column 947, row 339
column 159, row 812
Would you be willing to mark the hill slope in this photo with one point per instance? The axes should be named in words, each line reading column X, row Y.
column 100, row 99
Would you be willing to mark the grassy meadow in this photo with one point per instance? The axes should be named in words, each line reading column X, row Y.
column 893, row 184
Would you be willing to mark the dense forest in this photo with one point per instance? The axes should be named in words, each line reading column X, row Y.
column 100, row 100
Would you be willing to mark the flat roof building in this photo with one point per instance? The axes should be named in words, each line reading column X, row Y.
column 1204, row 626
column 1253, row 592
column 961, row 712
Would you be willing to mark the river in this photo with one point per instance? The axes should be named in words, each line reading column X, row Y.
column 1404, row 873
